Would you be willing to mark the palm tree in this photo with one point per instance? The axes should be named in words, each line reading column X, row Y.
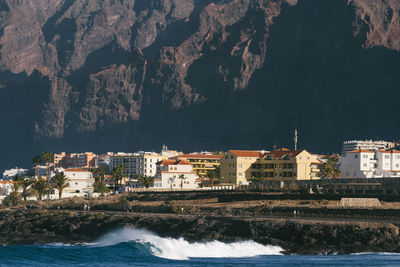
column 37, row 160
column 330, row 168
column 41, row 186
column 100, row 186
column 15, row 187
column 146, row 180
column 171, row 181
column 182, row 177
column 25, row 184
column 213, row 175
column 60, row 181
column 118, row 175
column 47, row 157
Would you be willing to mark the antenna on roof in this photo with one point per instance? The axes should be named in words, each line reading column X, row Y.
column 295, row 139
column 274, row 146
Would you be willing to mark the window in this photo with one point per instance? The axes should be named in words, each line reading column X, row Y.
column 397, row 165
column 365, row 165
column 387, row 156
column 240, row 165
column 240, row 174
column 365, row 156
column 356, row 156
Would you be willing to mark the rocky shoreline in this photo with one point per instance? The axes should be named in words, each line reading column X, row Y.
column 300, row 236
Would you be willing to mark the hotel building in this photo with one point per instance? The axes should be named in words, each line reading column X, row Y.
column 75, row 160
column 364, row 163
column 202, row 163
column 235, row 166
column 285, row 165
column 169, row 171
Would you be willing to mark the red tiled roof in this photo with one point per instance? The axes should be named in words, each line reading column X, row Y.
column 246, row 153
column 173, row 162
column 389, row 151
column 76, row 170
column 361, row 151
column 282, row 152
column 199, row 156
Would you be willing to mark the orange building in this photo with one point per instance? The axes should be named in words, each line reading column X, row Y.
column 75, row 160
column 201, row 163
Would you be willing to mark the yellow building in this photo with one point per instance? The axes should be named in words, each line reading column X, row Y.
column 284, row 164
column 202, row 163
column 235, row 166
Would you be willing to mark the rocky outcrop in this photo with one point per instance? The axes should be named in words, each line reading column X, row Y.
column 382, row 20
column 305, row 237
column 151, row 64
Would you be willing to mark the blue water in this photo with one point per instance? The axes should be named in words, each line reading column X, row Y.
column 146, row 249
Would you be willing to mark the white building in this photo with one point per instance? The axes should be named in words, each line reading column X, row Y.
column 365, row 145
column 5, row 188
column 370, row 164
column 140, row 163
column 103, row 160
column 9, row 174
column 80, row 182
column 388, row 163
column 169, row 171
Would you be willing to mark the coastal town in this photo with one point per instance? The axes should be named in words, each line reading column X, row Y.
column 85, row 174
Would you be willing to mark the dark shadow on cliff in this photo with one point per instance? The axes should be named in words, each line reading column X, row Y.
column 21, row 104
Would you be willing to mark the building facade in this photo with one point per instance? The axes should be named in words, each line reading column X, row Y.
column 235, row 166
column 84, row 160
column 141, row 163
column 80, row 181
column 202, row 163
column 169, row 173
column 364, row 163
column 285, row 165
column 9, row 174
column 365, row 145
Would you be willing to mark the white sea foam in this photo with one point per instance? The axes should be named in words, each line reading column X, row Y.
column 180, row 249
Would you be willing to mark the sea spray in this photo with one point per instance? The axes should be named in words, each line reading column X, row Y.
column 180, row 249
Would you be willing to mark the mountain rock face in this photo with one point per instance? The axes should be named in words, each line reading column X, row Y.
column 214, row 74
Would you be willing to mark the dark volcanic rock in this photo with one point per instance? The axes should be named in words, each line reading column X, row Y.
column 112, row 75
column 315, row 237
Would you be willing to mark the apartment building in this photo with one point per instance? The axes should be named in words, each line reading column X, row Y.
column 371, row 145
column 169, row 173
column 80, row 181
column 284, row 165
column 9, row 174
column 235, row 166
column 75, row 160
column 364, row 163
column 202, row 163
column 140, row 163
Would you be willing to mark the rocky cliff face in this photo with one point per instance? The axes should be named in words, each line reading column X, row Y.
column 121, row 75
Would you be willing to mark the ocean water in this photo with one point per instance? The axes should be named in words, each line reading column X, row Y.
column 133, row 247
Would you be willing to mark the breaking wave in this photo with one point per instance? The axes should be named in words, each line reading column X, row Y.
column 180, row 249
